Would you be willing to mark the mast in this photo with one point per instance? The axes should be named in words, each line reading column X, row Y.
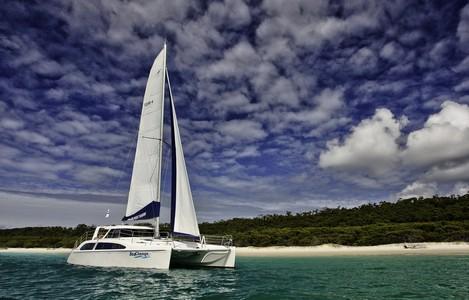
column 158, row 195
column 173, row 156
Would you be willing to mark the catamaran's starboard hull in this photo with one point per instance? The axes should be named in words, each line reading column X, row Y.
column 149, row 258
column 221, row 257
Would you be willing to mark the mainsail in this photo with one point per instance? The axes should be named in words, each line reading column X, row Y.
column 144, row 193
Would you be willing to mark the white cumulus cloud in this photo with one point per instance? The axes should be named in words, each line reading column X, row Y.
column 371, row 147
column 444, row 137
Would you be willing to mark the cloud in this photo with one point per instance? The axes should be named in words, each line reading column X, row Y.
column 327, row 102
column 371, row 146
column 463, row 66
column 463, row 86
column 32, row 137
column 363, row 61
column 463, row 28
column 372, row 153
column 48, row 68
column 242, row 130
column 449, row 172
column 72, row 128
column 444, row 137
column 241, row 55
column 233, row 14
column 197, row 146
column 439, row 53
column 309, row 24
column 460, row 188
column 392, row 52
column 56, row 94
column 418, row 189
column 95, row 174
column 11, row 124
column 249, row 151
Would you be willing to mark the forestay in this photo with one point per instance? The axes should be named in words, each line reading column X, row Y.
column 144, row 193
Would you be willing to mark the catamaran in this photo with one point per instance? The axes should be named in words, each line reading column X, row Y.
column 145, row 246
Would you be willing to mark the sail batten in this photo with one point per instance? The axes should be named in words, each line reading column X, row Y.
column 146, row 173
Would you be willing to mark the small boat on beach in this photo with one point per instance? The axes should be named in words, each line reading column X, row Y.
column 413, row 246
column 137, row 246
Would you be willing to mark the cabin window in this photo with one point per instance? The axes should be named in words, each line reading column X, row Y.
column 136, row 233
column 113, row 234
column 106, row 246
column 102, row 232
column 87, row 246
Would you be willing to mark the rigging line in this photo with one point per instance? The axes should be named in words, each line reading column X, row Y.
column 169, row 85
column 152, row 138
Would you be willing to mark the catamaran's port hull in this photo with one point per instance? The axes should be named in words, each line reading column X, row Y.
column 148, row 258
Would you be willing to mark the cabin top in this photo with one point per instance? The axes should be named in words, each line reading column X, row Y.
column 116, row 231
column 135, row 227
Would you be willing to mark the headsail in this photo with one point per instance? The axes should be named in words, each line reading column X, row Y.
column 183, row 217
column 144, row 193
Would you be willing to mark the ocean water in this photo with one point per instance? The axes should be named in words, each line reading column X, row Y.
column 47, row 276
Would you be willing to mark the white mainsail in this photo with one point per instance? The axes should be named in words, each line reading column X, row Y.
column 144, row 193
column 183, row 217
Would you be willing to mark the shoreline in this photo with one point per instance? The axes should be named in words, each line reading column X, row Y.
column 453, row 248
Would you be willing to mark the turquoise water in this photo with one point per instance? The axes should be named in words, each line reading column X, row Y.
column 47, row 276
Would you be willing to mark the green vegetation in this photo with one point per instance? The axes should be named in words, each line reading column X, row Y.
column 46, row 237
column 437, row 219
column 434, row 219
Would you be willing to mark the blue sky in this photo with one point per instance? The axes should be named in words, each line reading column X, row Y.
column 282, row 107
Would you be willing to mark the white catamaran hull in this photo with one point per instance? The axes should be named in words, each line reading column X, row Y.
column 139, row 255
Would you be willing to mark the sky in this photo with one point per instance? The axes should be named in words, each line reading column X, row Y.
column 282, row 106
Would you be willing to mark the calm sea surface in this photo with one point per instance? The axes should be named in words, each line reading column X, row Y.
column 47, row 276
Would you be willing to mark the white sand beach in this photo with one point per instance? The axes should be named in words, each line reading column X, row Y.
column 456, row 248
column 338, row 250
